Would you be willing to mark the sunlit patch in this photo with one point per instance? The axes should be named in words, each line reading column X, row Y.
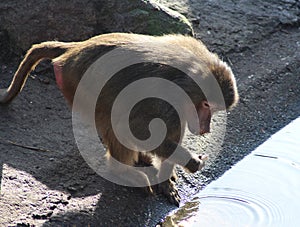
column 39, row 204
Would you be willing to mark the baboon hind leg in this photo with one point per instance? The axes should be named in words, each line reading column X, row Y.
column 121, row 163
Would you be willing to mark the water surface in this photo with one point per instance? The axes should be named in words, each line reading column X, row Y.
column 261, row 190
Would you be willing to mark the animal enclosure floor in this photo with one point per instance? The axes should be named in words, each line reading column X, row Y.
column 53, row 186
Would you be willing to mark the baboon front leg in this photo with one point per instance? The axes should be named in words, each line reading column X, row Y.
column 182, row 156
column 168, row 187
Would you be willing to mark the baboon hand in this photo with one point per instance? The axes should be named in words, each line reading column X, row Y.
column 196, row 163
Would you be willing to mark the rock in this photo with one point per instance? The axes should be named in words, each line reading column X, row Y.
column 5, row 46
column 26, row 22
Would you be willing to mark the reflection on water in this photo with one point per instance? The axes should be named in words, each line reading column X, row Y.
column 261, row 190
column 185, row 215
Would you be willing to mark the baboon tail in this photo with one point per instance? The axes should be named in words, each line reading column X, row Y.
column 38, row 52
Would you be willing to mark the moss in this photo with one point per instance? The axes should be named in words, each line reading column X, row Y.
column 158, row 20
column 157, row 26
column 138, row 12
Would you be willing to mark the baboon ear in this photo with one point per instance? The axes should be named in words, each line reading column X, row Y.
column 204, row 114
column 205, row 105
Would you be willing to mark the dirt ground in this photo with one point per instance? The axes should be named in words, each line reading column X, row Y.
column 53, row 186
